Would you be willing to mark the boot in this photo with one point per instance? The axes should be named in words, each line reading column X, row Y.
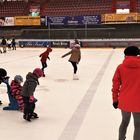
column 123, row 138
column 75, row 77
column 0, row 103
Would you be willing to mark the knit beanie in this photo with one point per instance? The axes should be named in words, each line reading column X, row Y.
column 3, row 72
column 132, row 51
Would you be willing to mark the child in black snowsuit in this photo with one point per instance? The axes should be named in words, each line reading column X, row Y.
column 3, row 77
column 27, row 93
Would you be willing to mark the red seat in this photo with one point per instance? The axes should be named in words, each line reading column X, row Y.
column 78, row 7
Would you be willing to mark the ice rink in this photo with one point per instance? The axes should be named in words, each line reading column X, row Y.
column 68, row 109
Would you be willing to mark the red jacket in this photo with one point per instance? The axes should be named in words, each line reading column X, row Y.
column 16, row 93
column 126, row 84
column 45, row 55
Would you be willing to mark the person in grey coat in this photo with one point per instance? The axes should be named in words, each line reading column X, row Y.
column 27, row 93
column 74, row 58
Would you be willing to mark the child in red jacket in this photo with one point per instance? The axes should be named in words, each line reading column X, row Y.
column 44, row 56
column 126, row 91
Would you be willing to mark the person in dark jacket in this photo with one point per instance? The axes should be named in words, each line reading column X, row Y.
column 126, row 91
column 44, row 56
column 13, row 44
column 3, row 43
column 74, row 58
column 27, row 93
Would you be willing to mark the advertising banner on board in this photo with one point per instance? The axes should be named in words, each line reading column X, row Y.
column 74, row 20
column 6, row 21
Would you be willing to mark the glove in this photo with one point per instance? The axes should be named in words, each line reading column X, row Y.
column 48, row 57
column 31, row 99
column 115, row 105
column 5, row 79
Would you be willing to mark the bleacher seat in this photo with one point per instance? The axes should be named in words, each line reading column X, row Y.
column 78, row 7
column 14, row 8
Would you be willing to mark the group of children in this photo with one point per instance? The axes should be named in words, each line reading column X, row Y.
column 22, row 97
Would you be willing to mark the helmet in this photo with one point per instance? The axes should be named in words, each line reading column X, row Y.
column 3, row 72
column 38, row 72
column 18, row 78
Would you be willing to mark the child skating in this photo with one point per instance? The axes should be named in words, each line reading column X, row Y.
column 16, row 88
column 74, row 58
column 44, row 56
column 27, row 93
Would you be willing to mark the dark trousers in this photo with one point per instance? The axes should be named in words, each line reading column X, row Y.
column 124, row 124
column 44, row 65
column 28, row 106
column 74, row 64
column 9, row 46
column 4, row 48
column 14, row 47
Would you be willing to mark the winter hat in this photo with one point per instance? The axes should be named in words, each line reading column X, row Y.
column 132, row 51
column 18, row 78
column 3, row 72
column 38, row 72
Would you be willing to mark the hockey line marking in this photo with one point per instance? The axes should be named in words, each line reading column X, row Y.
column 72, row 128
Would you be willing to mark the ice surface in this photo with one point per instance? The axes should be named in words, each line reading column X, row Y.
column 68, row 109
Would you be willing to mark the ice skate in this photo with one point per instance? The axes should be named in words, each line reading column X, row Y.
column 75, row 77
column 34, row 116
column 27, row 117
column 0, row 103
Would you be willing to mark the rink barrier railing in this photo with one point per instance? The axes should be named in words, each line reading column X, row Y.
column 84, row 42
